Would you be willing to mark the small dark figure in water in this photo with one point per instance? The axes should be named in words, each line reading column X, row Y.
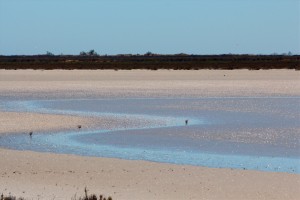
column 30, row 134
column 79, row 126
column 186, row 122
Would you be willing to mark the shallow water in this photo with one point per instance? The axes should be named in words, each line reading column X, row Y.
column 245, row 133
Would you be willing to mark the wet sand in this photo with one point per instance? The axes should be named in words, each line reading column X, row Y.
column 48, row 176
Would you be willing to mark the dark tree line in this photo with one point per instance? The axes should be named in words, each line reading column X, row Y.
column 91, row 60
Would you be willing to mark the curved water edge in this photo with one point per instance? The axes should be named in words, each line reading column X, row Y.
column 69, row 143
column 37, row 107
column 90, row 142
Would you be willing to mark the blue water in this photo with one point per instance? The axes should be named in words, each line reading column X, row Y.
column 244, row 133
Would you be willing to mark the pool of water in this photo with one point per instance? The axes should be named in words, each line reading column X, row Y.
column 244, row 133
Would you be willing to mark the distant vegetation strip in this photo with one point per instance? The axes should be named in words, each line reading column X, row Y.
column 150, row 61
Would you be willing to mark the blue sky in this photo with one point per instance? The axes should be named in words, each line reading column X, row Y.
column 159, row 26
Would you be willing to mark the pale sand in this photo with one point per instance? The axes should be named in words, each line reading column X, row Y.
column 44, row 176
column 141, row 83
column 13, row 122
column 47, row 175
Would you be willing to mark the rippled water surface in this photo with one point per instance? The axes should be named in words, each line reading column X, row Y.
column 245, row 133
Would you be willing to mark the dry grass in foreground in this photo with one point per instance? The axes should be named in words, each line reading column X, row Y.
column 86, row 197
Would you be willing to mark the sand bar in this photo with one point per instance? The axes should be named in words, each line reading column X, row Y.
column 142, row 83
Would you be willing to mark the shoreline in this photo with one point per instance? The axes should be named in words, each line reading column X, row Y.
column 62, row 176
column 44, row 175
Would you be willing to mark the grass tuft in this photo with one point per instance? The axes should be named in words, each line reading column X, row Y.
column 86, row 197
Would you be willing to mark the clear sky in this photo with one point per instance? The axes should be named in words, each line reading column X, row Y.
column 159, row 26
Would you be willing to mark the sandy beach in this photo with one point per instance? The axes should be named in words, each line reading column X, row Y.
column 141, row 83
column 51, row 176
